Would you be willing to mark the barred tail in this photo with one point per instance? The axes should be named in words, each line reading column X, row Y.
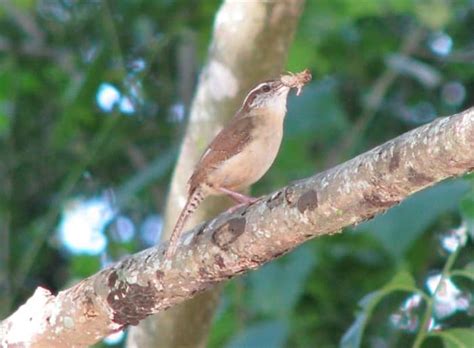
column 195, row 198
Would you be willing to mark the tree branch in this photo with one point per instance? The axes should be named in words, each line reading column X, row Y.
column 231, row 244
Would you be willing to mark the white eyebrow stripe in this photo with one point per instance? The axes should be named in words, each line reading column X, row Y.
column 254, row 90
column 258, row 87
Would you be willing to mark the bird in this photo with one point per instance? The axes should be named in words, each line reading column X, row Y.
column 243, row 151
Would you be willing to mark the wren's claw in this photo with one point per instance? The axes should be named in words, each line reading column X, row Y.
column 297, row 80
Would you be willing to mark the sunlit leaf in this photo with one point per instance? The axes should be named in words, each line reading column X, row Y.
column 435, row 14
column 456, row 338
column 402, row 280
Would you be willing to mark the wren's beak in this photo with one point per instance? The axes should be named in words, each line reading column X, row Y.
column 282, row 88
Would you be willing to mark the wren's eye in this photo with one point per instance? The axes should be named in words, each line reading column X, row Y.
column 266, row 88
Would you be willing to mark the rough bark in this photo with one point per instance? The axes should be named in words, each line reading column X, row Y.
column 231, row 244
column 250, row 44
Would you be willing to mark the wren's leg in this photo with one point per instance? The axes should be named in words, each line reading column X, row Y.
column 237, row 196
column 240, row 198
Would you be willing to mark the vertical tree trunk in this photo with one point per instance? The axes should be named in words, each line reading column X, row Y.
column 250, row 43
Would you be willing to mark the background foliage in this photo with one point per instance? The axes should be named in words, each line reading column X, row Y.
column 93, row 101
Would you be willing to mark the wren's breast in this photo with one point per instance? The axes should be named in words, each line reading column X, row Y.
column 249, row 165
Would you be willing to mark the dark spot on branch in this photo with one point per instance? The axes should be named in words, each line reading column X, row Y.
column 112, row 279
column 131, row 303
column 307, row 201
column 243, row 210
column 159, row 274
column 193, row 292
column 366, row 217
column 376, row 201
column 290, row 195
column 199, row 232
column 256, row 261
column 219, row 261
column 418, row 178
column 275, row 200
column 89, row 307
column 202, row 272
column 280, row 253
column 239, row 271
column 229, row 232
column 147, row 258
column 394, row 161
column 126, row 263
column 201, row 229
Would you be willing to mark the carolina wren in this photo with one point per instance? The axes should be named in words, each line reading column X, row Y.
column 243, row 151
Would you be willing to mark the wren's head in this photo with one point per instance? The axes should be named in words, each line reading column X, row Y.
column 269, row 94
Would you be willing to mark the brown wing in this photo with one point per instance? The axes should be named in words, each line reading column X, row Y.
column 226, row 144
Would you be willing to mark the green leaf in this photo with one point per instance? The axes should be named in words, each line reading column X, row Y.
column 456, row 338
column 467, row 209
column 84, row 265
column 264, row 334
column 25, row 4
column 290, row 273
column 467, row 206
column 402, row 281
column 4, row 122
column 225, row 324
column 467, row 272
column 403, row 224
column 435, row 14
column 353, row 336
column 300, row 55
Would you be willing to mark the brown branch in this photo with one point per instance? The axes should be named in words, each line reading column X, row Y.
column 231, row 244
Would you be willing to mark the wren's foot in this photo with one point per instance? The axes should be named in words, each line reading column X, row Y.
column 238, row 197
column 236, row 207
